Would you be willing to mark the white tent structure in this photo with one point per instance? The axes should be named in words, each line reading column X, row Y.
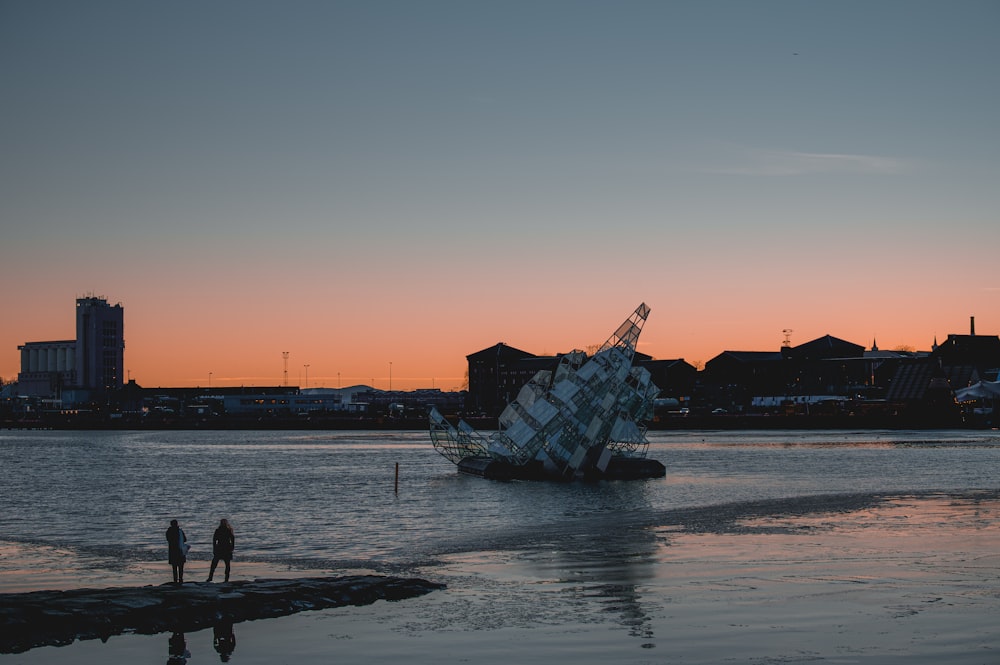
column 978, row 391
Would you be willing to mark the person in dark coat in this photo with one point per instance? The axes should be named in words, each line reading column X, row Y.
column 223, row 544
column 177, row 548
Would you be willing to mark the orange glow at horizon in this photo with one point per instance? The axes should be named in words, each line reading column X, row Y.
column 199, row 343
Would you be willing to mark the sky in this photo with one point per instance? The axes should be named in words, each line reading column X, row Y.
column 381, row 188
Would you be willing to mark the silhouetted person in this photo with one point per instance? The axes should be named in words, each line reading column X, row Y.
column 177, row 549
column 223, row 544
column 225, row 639
column 177, row 650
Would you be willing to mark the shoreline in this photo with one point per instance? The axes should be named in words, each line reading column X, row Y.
column 27, row 567
column 59, row 618
column 867, row 578
column 692, row 422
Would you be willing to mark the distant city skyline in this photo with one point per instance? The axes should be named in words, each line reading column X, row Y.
column 366, row 183
column 292, row 376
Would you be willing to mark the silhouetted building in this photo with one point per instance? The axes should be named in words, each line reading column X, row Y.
column 281, row 403
column 408, row 403
column 100, row 346
column 980, row 351
column 823, row 348
column 811, row 372
column 915, row 377
column 674, row 378
column 927, row 385
column 826, row 366
column 86, row 369
column 497, row 374
column 47, row 368
column 733, row 378
column 924, row 389
column 880, row 368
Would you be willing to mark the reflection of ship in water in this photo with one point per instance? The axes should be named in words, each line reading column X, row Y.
column 610, row 572
column 584, row 420
column 618, row 569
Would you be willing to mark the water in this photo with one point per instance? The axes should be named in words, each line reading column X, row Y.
column 330, row 499
column 711, row 564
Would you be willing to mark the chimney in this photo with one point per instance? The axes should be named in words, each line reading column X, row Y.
column 972, row 326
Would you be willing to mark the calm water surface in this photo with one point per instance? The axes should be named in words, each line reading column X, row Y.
column 329, row 499
column 540, row 572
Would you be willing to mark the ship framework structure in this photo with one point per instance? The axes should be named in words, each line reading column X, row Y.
column 581, row 421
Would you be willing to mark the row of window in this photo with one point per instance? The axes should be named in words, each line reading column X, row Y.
column 258, row 401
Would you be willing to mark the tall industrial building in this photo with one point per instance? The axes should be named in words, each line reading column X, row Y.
column 84, row 370
column 100, row 344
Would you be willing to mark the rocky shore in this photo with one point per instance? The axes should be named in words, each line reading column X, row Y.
column 55, row 618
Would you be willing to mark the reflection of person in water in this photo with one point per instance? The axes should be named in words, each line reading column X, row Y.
column 177, row 648
column 225, row 640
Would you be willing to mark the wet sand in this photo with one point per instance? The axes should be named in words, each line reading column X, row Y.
column 912, row 579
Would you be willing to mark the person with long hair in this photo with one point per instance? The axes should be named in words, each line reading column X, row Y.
column 223, row 544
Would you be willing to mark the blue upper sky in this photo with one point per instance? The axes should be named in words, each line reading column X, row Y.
column 830, row 167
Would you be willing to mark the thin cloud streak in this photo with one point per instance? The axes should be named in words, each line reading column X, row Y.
column 781, row 163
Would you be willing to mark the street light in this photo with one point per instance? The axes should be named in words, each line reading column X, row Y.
column 307, row 375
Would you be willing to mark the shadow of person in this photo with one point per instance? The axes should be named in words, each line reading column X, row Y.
column 177, row 649
column 225, row 640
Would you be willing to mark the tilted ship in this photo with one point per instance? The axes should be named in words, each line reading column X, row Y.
column 581, row 421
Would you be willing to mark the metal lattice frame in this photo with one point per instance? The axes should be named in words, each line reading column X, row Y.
column 573, row 419
column 627, row 336
column 456, row 443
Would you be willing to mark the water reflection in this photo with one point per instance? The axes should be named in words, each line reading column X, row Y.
column 224, row 640
column 607, row 558
column 177, row 649
column 613, row 569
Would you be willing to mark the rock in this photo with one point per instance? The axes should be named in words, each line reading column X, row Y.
column 54, row 618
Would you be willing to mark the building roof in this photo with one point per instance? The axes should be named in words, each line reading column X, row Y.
column 827, row 346
column 912, row 379
column 879, row 354
column 664, row 363
column 980, row 349
column 750, row 356
column 58, row 342
column 499, row 350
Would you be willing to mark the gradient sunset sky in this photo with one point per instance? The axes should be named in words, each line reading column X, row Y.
column 371, row 183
